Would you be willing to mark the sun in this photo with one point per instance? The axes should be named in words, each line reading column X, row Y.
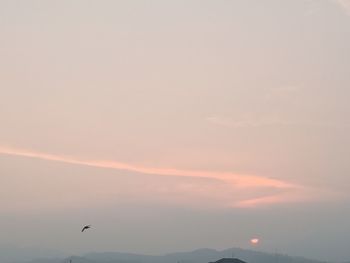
column 254, row 241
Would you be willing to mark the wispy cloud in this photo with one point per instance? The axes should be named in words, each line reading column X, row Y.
column 345, row 4
column 253, row 123
column 265, row 200
column 236, row 179
column 265, row 121
column 247, row 186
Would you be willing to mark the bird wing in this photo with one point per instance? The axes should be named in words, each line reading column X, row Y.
column 85, row 227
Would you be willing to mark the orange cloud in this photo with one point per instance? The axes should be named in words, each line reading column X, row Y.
column 265, row 200
column 240, row 182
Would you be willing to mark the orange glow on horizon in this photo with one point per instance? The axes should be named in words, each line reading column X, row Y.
column 254, row 241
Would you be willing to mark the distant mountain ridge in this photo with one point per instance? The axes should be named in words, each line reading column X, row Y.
column 196, row 256
column 229, row 260
column 11, row 253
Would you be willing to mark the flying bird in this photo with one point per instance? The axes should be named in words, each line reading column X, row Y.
column 85, row 228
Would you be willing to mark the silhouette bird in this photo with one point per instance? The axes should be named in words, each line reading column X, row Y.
column 85, row 228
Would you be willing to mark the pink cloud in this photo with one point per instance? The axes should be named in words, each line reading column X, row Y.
column 244, row 187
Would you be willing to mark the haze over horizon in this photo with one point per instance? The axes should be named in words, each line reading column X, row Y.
column 176, row 125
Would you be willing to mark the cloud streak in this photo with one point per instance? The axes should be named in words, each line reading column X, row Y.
column 240, row 182
column 263, row 122
column 345, row 4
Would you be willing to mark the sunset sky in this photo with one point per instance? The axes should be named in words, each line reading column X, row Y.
column 175, row 125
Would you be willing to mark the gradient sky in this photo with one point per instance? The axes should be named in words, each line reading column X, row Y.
column 174, row 125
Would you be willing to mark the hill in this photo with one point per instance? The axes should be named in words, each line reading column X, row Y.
column 197, row 256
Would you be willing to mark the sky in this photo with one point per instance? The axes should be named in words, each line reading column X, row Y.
column 175, row 125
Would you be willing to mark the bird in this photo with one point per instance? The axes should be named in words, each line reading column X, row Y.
column 85, row 227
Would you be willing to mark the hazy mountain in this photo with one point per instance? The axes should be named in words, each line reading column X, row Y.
column 197, row 256
column 229, row 260
column 10, row 253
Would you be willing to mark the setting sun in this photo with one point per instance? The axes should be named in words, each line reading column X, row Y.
column 254, row 241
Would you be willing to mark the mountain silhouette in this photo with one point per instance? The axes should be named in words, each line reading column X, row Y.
column 196, row 256
column 229, row 260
